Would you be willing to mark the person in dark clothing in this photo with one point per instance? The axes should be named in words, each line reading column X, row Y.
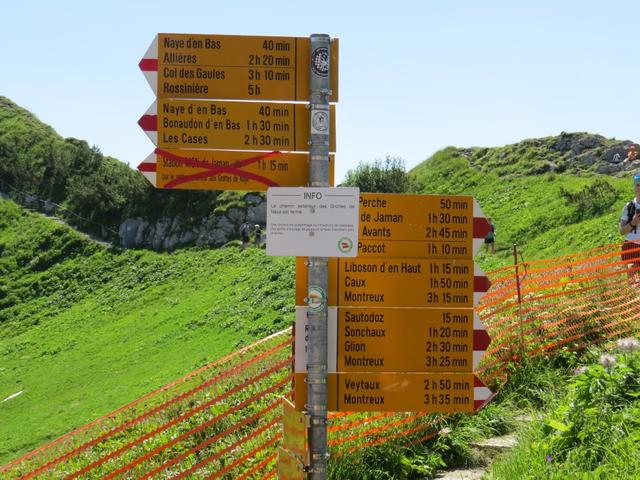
column 257, row 235
column 490, row 239
column 244, row 234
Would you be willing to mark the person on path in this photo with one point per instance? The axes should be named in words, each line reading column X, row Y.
column 257, row 235
column 490, row 239
column 244, row 234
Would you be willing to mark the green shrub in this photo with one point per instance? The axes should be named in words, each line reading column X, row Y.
column 592, row 200
column 389, row 176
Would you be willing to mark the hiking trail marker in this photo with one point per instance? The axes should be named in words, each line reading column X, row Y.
column 403, row 334
column 224, row 125
column 233, row 67
column 205, row 142
column 427, row 340
column 401, row 282
column 197, row 126
column 421, row 226
column 226, row 170
column 401, row 392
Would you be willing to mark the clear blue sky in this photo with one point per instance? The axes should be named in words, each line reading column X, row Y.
column 415, row 76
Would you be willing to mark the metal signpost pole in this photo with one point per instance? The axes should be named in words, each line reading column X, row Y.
column 318, row 266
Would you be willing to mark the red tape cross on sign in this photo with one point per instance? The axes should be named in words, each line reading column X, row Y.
column 227, row 169
column 210, row 170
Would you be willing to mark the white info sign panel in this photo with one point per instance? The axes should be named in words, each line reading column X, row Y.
column 312, row 222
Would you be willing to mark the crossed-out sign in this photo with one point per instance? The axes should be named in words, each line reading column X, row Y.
column 227, row 170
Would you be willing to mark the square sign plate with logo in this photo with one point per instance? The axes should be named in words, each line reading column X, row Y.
column 312, row 222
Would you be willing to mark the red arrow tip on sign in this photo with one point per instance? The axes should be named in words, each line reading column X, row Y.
column 481, row 227
column 481, row 340
column 149, row 64
column 481, row 394
column 149, row 123
column 147, row 167
column 481, row 284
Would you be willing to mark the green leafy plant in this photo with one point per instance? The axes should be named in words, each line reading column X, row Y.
column 597, row 416
column 593, row 199
column 388, row 176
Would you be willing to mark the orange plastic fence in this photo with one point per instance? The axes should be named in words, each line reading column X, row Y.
column 223, row 420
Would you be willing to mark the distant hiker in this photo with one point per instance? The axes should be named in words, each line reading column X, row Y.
column 490, row 239
column 632, row 154
column 244, row 233
column 257, row 235
column 629, row 222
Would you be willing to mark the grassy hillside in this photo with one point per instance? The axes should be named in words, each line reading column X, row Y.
column 95, row 192
column 84, row 330
column 529, row 209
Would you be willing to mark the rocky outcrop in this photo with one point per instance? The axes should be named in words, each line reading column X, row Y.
column 578, row 153
column 595, row 152
column 214, row 230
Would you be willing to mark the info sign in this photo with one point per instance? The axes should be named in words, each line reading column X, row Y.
column 316, row 222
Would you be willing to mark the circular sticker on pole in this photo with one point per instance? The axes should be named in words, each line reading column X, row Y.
column 320, row 61
column 319, row 121
column 345, row 244
column 316, row 299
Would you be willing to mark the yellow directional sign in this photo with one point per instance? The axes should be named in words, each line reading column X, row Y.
column 406, row 282
column 400, row 392
column 399, row 282
column 414, row 249
column 422, row 226
column 227, row 170
column 225, row 125
column 234, row 67
column 405, row 340
column 416, row 217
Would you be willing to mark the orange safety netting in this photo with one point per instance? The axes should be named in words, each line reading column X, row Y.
column 223, row 420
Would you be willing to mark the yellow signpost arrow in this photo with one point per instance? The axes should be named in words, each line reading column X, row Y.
column 400, row 392
column 422, row 226
column 233, row 67
column 223, row 125
column 227, row 170
column 409, row 340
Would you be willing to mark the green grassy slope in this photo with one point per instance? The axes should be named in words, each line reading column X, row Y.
column 528, row 209
column 84, row 330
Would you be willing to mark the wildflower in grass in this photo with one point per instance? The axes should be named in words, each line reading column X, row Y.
column 580, row 370
column 445, row 431
column 607, row 361
column 628, row 345
column 549, row 458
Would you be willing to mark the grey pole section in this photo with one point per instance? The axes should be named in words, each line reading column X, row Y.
column 318, row 266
